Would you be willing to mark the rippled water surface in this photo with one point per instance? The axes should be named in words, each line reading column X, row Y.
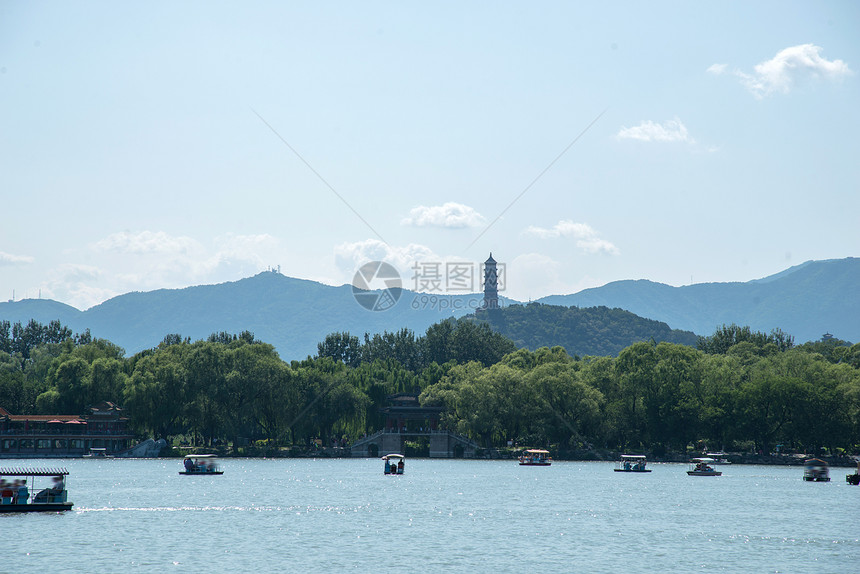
column 441, row 516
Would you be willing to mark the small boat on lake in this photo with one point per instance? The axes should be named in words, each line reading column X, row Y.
column 394, row 463
column 719, row 457
column 96, row 452
column 632, row 463
column 535, row 457
column 21, row 493
column 201, row 464
column 703, row 466
column 816, row 470
column 854, row 478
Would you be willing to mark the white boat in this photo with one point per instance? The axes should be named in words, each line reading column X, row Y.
column 21, row 494
column 719, row 457
column 96, row 452
column 816, row 470
column 632, row 463
column 201, row 464
column 394, row 463
column 535, row 457
column 703, row 466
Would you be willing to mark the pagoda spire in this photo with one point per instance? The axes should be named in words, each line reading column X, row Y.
column 491, row 284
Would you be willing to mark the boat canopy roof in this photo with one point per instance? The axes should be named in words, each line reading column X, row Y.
column 633, row 456
column 33, row 472
column 702, row 459
column 201, row 456
column 537, row 451
column 394, row 455
column 815, row 462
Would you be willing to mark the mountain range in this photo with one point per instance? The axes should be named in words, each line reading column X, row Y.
column 805, row 301
column 295, row 314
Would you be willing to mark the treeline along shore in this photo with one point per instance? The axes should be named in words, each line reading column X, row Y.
column 737, row 391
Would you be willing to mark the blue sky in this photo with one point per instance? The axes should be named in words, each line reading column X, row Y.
column 161, row 145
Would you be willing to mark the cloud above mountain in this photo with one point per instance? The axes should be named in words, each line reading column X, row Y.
column 450, row 215
column 135, row 260
column 587, row 239
column 350, row 256
column 146, row 242
column 8, row 259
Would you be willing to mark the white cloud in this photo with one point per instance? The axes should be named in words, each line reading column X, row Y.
column 257, row 250
column 7, row 259
column 147, row 242
column 350, row 256
column 717, row 69
column 147, row 260
column 78, row 285
column 669, row 131
column 534, row 275
column 450, row 214
column 789, row 67
column 157, row 253
column 586, row 237
column 420, row 268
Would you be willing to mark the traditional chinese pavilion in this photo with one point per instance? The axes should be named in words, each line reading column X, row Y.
column 46, row 436
column 404, row 414
column 406, row 419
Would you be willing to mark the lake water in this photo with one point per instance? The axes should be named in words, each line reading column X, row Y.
column 441, row 516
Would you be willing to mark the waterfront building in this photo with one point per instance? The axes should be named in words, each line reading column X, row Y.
column 46, row 436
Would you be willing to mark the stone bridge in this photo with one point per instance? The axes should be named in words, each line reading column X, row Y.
column 443, row 444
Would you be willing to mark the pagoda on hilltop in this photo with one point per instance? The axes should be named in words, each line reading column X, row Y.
column 491, row 285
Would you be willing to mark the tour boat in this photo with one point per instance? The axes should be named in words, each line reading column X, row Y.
column 632, row 463
column 703, row 467
column 854, row 478
column 201, row 464
column 394, row 463
column 96, row 452
column 23, row 495
column 815, row 470
column 719, row 457
column 535, row 457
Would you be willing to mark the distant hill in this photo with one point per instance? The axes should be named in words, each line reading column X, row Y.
column 291, row 314
column 597, row 331
column 294, row 314
column 805, row 301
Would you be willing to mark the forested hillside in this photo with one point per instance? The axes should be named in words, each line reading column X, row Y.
column 593, row 331
column 747, row 391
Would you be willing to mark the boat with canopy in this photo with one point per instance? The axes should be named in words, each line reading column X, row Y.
column 33, row 490
column 394, row 463
column 719, row 457
column 703, row 466
column 201, row 464
column 97, row 452
column 535, row 457
column 816, row 470
column 632, row 463
column 854, row 478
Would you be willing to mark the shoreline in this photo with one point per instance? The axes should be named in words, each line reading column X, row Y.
column 843, row 461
